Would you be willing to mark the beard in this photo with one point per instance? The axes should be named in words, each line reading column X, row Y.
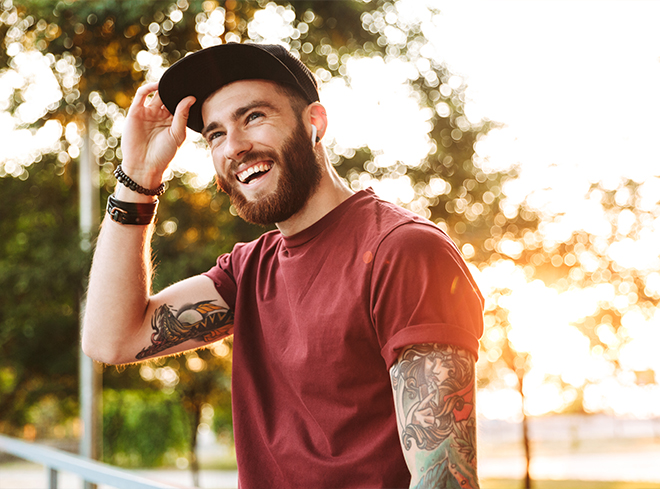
column 300, row 175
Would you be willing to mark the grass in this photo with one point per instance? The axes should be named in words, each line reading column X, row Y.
column 227, row 462
column 565, row 484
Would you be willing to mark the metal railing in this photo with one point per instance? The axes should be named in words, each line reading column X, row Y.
column 89, row 470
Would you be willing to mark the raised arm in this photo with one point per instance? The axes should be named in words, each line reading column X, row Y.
column 434, row 399
column 123, row 322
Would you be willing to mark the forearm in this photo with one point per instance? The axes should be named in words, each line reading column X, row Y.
column 124, row 323
column 119, row 287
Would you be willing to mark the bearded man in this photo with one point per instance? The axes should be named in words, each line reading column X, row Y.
column 356, row 323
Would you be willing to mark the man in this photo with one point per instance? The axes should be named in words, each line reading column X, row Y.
column 356, row 323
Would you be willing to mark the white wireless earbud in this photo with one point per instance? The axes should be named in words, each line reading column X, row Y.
column 314, row 131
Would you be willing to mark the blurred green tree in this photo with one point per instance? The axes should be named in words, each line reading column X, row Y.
column 41, row 272
column 143, row 427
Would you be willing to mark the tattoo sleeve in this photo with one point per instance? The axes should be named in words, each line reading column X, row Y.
column 434, row 398
column 202, row 321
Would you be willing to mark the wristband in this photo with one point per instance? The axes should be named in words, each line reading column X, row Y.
column 129, row 183
column 131, row 212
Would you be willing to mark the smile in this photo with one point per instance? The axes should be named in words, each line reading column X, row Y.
column 253, row 172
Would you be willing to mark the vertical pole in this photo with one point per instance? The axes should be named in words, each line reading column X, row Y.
column 52, row 478
column 91, row 387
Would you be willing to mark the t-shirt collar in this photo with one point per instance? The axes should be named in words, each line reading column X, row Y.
column 326, row 221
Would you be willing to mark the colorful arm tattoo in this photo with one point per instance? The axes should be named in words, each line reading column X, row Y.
column 203, row 321
column 434, row 399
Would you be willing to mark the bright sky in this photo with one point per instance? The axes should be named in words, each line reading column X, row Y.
column 575, row 82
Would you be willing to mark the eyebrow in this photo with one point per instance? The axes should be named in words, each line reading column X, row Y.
column 238, row 113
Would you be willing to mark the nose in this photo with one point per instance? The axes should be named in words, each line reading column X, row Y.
column 236, row 145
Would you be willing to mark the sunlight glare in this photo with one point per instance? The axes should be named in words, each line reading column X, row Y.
column 31, row 74
column 395, row 190
column 376, row 109
column 193, row 157
column 272, row 25
column 499, row 404
column 541, row 324
column 637, row 254
column 634, row 354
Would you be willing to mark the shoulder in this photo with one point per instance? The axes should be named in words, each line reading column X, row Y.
column 389, row 229
column 402, row 230
column 419, row 249
column 387, row 220
column 417, row 237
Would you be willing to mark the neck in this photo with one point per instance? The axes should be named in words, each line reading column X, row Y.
column 331, row 192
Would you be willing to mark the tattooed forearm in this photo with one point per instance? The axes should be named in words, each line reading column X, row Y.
column 434, row 398
column 201, row 321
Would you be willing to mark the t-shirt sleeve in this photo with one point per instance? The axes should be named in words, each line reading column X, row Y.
column 222, row 275
column 423, row 292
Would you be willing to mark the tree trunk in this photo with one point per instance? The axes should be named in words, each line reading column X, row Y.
column 194, row 463
column 528, row 457
column 525, row 429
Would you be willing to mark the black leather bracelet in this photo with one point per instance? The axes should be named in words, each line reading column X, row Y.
column 129, row 183
column 131, row 212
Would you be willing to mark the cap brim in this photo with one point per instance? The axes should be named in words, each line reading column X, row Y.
column 204, row 72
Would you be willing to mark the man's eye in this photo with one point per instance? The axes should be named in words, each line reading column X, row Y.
column 254, row 116
column 215, row 135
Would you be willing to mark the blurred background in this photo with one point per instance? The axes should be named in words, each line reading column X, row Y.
column 527, row 130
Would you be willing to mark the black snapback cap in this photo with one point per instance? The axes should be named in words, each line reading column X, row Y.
column 207, row 70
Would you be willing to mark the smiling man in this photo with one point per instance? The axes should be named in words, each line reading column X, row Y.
column 356, row 323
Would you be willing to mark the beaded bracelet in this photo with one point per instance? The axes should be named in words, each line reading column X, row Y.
column 131, row 212
column 129, row 183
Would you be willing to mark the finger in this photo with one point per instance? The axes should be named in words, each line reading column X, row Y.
column 427, row 400
column 142, row 93
column 155, row 101
column 423, row 420
column 178, row 127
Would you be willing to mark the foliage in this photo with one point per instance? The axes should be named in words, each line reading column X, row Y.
column 41, row 273
column 618, row 256
column 142, row 427
column 613, row 261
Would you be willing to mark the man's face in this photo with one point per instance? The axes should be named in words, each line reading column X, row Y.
column 262, row 153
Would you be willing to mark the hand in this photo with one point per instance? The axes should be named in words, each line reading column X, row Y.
column 424, row 414
column 152, row 136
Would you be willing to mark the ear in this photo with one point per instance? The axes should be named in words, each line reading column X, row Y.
column 317, row 116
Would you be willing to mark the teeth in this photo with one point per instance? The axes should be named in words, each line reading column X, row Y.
column 259, row 167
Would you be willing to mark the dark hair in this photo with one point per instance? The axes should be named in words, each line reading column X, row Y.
column 296, row 98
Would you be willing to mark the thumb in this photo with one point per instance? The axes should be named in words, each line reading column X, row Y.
column 180, row 119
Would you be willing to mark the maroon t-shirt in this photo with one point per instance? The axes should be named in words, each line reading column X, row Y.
column 320, row 317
